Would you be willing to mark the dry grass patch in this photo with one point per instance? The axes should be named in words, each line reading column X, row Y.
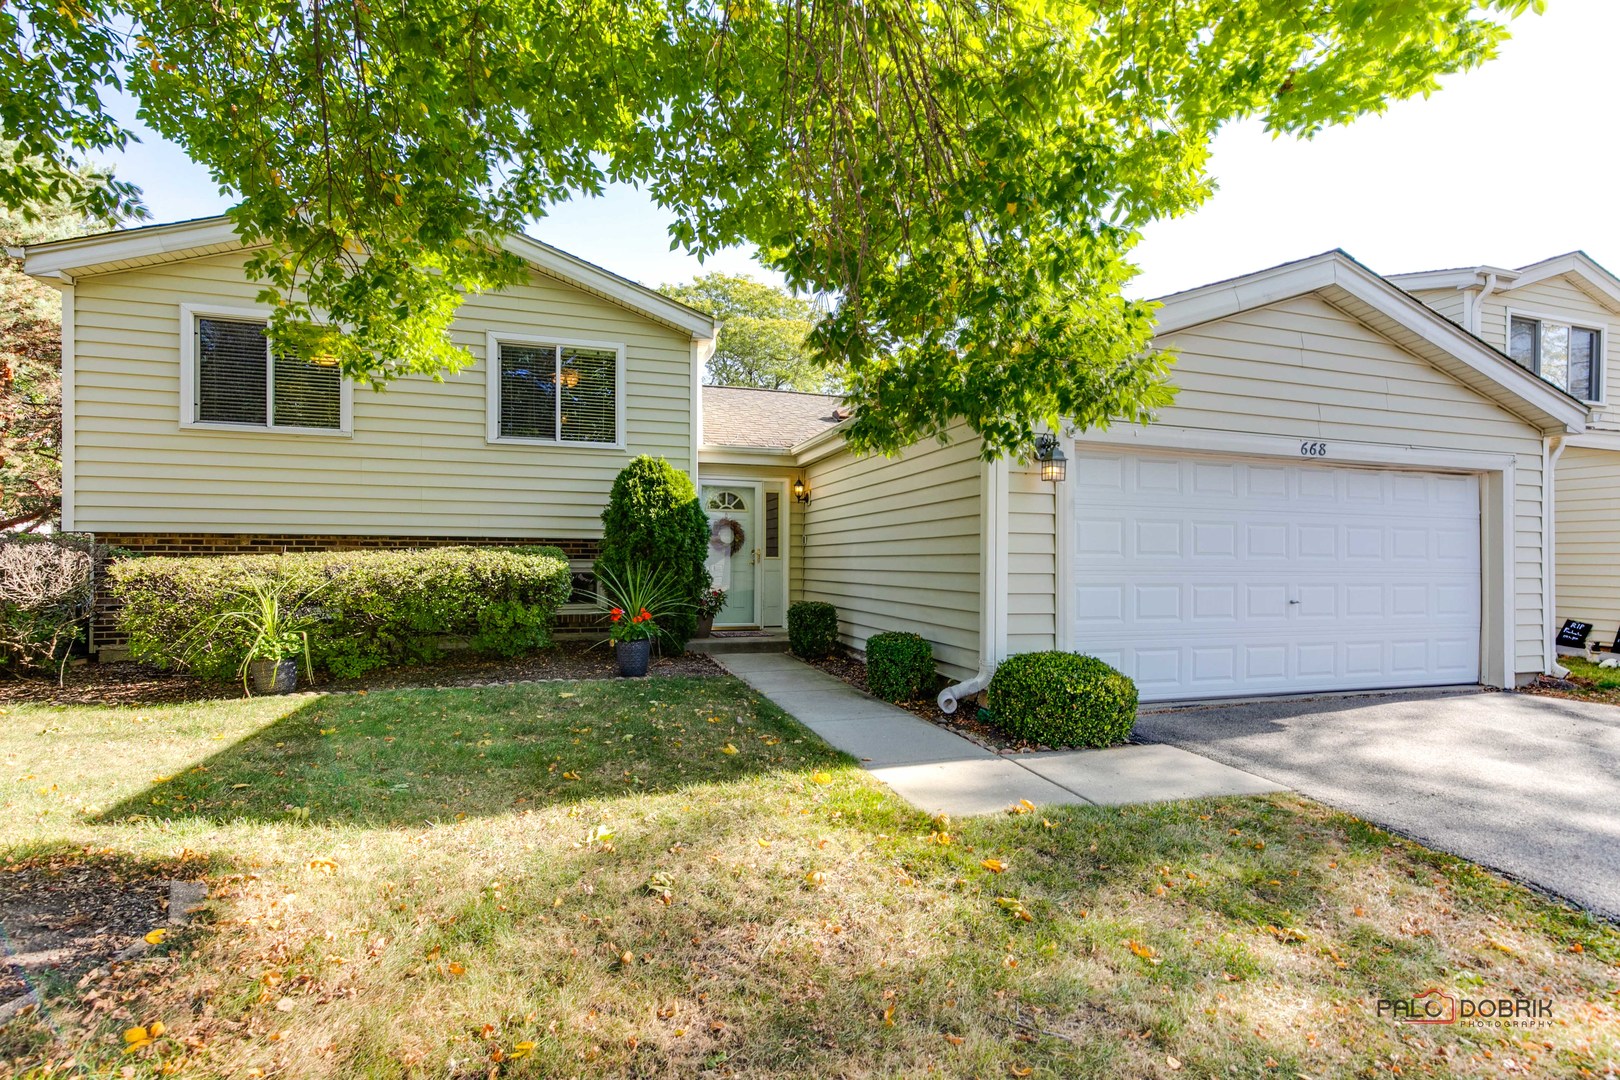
column 670, row 877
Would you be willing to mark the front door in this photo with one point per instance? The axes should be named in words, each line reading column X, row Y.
column 734, row 550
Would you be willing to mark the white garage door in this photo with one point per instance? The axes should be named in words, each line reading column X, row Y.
column 1209, row 576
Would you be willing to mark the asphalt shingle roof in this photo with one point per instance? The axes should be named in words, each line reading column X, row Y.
column 771, row 419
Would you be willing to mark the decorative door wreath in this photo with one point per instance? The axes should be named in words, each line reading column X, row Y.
column 726, row 532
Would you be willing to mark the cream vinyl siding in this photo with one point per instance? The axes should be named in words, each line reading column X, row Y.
column 417, row 462
column 1588, row 529
column 895, row 544
column 1303, row 368
column 1559, row 298
column 1448, row 302
column 1032, row 574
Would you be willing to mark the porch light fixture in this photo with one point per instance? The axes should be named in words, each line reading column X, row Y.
column 1053, row 464
column 801, row 494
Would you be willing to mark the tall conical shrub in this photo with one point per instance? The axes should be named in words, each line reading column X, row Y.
column 653, row 516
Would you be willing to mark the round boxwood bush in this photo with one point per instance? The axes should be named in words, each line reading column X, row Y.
column 1062, row 699
column 812, row 629
column 899, row 666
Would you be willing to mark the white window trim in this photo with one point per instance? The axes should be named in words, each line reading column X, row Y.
column 492, row 389
column 189, row 313
column 1602, row 359
column 576, row 566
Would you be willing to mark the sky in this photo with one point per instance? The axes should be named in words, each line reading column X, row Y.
column 1508, row 164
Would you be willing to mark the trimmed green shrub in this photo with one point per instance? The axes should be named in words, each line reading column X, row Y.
column 653, row 517
column 368, row 608
column 812, row 629
column 1062, row 699
column 47, row 586
column 899, row 666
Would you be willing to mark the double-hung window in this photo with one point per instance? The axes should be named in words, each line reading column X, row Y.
column 555, row 391
column 1568, row 356
column 234, row 378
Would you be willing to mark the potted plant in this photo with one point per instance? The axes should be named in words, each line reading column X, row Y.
column 274, row 623
column 634, row 602
column 709, row 604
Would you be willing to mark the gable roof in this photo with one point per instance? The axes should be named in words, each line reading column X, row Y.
column 766, row 419
column 1589, row 275
column 1399, row 316
column 149, row 245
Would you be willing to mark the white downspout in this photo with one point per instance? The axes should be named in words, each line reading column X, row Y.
column 1552, row 448
column 1475, row 315
column 992, row 591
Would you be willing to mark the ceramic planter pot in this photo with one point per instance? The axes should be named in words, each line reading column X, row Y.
column 273, row 676
column 705, row 626
column 633, row 657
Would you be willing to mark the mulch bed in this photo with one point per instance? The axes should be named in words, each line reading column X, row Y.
column 964, row 722
column 137, row 684
column 1575, row 688
column 63, row 916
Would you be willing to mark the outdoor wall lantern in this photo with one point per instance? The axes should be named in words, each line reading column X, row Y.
column 1053, row 464
column 800, row 492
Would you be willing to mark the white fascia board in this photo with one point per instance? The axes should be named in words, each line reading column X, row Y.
column 1182, row 310
column 1469, row 277
column 820, row 445
column 622, row 291
column 69, row 256
column 722, row 454
column 1195, row 307
column 1444, row 334
column 1595, row 281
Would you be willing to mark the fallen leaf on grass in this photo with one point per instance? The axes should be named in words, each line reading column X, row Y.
column 995, row 866
column 155, row 937
column 1173, row 1062
column 954, row 1040
column 570, row 776
column 1146, row 952
column 728, row 749
column 821, row 777
column 1022, row 806
column 1014, row 907
column 323, row 866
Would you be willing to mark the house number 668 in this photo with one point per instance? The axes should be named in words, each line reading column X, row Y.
column 1313, row 449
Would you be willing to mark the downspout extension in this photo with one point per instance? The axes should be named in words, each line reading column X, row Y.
column 949, row 696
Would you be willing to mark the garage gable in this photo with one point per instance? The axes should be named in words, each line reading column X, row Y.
column 1303, row 366
column 1353, row 323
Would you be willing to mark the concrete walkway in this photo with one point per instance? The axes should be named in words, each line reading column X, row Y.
column 941, row 772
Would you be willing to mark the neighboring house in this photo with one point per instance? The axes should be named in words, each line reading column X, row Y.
column 1558, row 318
column 1347, row 492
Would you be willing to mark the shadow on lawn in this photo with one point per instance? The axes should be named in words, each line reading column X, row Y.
column 406, row 757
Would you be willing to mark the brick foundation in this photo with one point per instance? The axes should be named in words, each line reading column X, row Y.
column 104, row 633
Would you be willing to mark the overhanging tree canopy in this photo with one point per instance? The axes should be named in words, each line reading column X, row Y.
column 968, row 178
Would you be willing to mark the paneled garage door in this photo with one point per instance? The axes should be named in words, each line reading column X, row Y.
column 1210, row 576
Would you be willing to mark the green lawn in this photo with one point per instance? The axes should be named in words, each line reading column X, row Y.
column 670, row 877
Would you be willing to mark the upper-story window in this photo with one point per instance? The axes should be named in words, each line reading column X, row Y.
column 1570, row 357
column 235, row 379
column 555, row 391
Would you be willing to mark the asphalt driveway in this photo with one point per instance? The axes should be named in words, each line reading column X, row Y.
column 1523, row 784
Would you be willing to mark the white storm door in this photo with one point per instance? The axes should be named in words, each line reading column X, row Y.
column 734, row 549
column 1219, row 576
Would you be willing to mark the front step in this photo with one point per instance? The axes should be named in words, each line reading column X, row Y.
column 775, row 641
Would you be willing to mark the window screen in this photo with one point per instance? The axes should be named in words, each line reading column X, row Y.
column 307, row 394
column 239, row 383
column 529, row 391
column 559, row 392
column 773, row 526
column 232, row 380
column 1523, row 339
column 1583, row 363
